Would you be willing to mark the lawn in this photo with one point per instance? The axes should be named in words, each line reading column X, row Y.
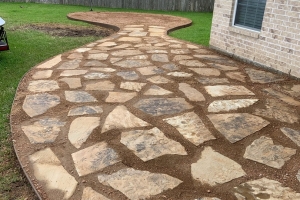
column 30, row 47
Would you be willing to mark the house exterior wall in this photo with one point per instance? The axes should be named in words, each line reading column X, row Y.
column 277, row 46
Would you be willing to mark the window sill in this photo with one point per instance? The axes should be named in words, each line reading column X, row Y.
column 243, row 31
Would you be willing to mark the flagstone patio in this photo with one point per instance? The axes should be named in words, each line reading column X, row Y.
column 141, row 115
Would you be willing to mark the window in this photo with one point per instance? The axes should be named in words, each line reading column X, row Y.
column 249, row 14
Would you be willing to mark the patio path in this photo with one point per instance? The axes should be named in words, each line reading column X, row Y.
column 141, row 115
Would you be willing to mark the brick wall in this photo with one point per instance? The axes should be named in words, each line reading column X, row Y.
column 277, row 46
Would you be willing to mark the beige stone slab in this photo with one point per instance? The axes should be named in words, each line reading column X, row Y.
column 293, row 89
column 126, row 53
column 135, row 86
column 181, row 57
column 227, row 90
column 285, row 98
column 90, row 194
column 192, row 63
column 130, row 39
column 114, row 60
column 180, row 51
column 72, row 64
column 294, row 135
column 48, row 169
column 42, row 86
column 44, row 74
column 259, row 76
column 120, row 97
column 138, row 57
column 133, row 63
column 94, row 63
column 43, row 131
column 265, row 188
column 73, row 83
column 212, row 81
column 50, row 63
column 82, row 50
column 124, row 118
column 38, row 104
column 136, row 184
column 128, row 75
column 229, row 105
column 150, row 144
column 236, row 76
column 160, row 58
column 162, row 44
column 206, row 71
column 264, row 151
column 79, row 97
column 170, row 67
column 85, row 110
column 100, row 85
column 191, row 93
column 159, row 80
column 106, row 69
column 223, row 67
column 190, row 46
column 98, row 56
column 151, row 70
column 156, row 90
column 158, row 51
column 96, row 75
column 191, row 127
column 138, row 34
column 107, row 44
column 175, row 46
column 81, row 128
column 236, row 126
column 73, row 72
column 180, row 74
column 75, row 55
column 94, row 158
column 213, row 168
column 133, row 28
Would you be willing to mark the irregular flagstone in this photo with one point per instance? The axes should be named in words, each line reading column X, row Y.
column 151, row 70
column 236, row 126
column 227, row 90
column 213, row 168
column 94, row 63
column 96, row 75
column 293, row 90
column 277, row 110
column 38, row 104
column 156, row 30
column 265, row 189
column 124, row 118
column 181, row 57
column 170, row 67
column 192, row 63
column 42, row 74
column 160, row 57
column 114, row 60
column 120, row 97
column 72, row 64
column 223, row 67
column 73, row 83
column 150, row 144
column 180, row 74
column 190, row 46
column 136, row 184
column 211, row 81
column 180, row 51
column 79, row 97
column 106, row 69
column 228, row 105
column 203, row 51
column 73, row 72
column 133, row 29
column 122, row 46
column 42, row 86
column 191, row 93
column 75, row 55
column 298, row 175
column 135, row 86
column 236, row 76
column 210, row 57
column 101, row 85
column 206, row 71
column 126, row 53
column 82, row 50
column 157, row 51
column 94, row 158
column 156, row 90
column 294, row 135
column 107, row 44
column 98, row 56
column 133, row 63
column 264, row 151
column 138, row 34
column 259, row 76
column 191, row 127
column 43, row 131
column 158, row 34
column 130, row 39
column 138, row 57
column 50, row 63
column 90, row 194
column 49, row 170
column 85, row 110
column 175, row 46
column 282, row 97
column 129, row 75
column 159, row 80
column 81, row 128
column 162, row 106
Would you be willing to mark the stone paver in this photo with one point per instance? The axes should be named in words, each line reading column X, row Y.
column 140, row 115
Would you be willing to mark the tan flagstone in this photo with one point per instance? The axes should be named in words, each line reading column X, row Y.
column 236, row 76
column 126, row 53
column 73, row 83
column 98, row 56
column 135, row 86
column 181, row 57
column 159, row 80
column 156, row 90
column 227, row 90
column 82, row 50
column 206, row 71
column 100, row 85
column 120, row 97
column 191, row 93
column 285, row 98
column 180, row 74
column 151, row 70
column 107, row 44
column 42, row 74
column 94, row 63
column 160, row 58
column 259, row 76
column 42, row 86
column 50, row 63
column 192, row 63
column 79, row 97
column 85, row 110
column 228, row 105
column 90, row 194
column 73, row 72
column 294, row 135
column 75, row 55
column 96, row 75
column 180, row 51
column 130, row 39
column 72, row 64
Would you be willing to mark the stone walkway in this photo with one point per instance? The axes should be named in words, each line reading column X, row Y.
column 141, row 115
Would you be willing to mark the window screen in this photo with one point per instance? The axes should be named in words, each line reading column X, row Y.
column 250, row 13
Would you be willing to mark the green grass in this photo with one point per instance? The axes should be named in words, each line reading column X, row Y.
column 16, row 62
